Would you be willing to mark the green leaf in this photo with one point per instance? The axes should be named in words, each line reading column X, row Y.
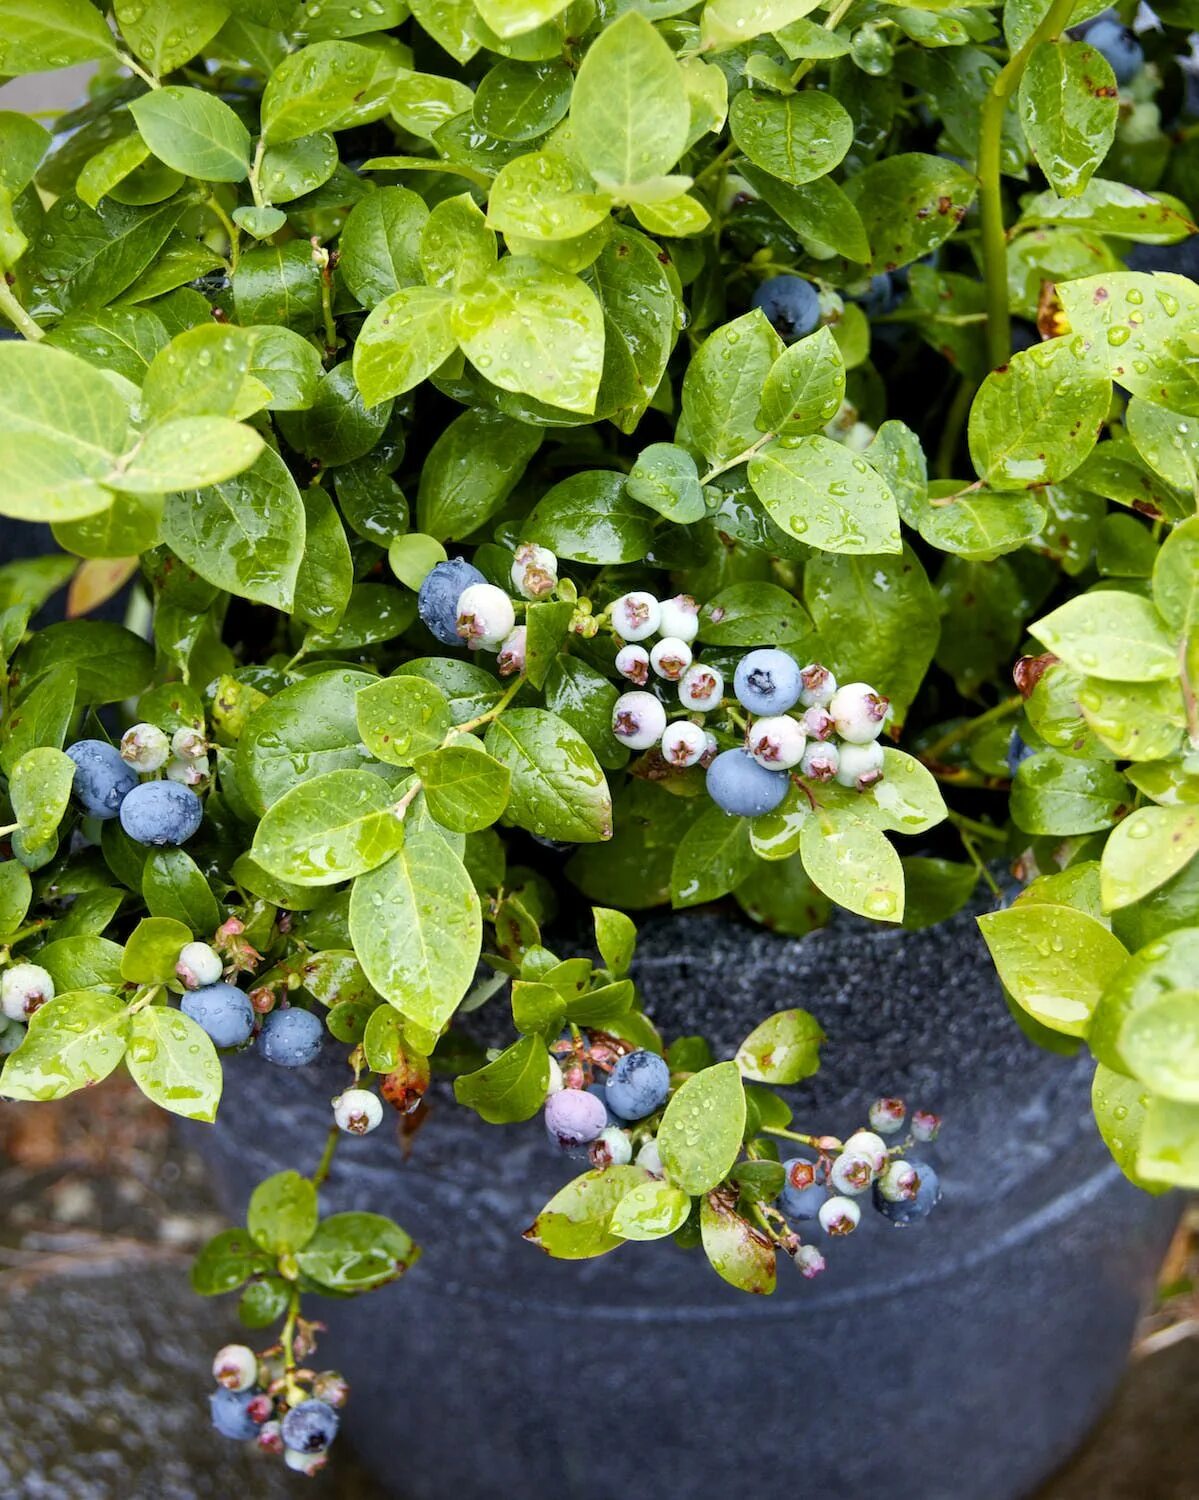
column 16, row 892
column 85, row 258
column 666, row 479
column 510, row 1088
column 401, row 718
column 282, row 1216
column 152, row 29
column 23, row 144
column 702, row 1127
column 325, row 577
column 417, row 929
column 537, row 1009
column 980, row 526
column 62, row 425
column 753, row 614
column 805, row 387
column 227, row 1261
column 530, row 328
column 738, row 1252
column 465, row 789
column 615, row 937
column 35, row 38
column 1138, row 330
column 729, row 23
column 629, row 113
column 110, row 662
column 329, row 829
column 1058, row 794
column 590, row 517
column 575, row 1223
column 303, row 731
column 1110, row 633
column 1165, row 441
column 519, row 101
column 794, row 137
column 1176, row 578
column 513, row 18
column 650, row 1211
column 722, row 389
column 327, row 86
column 1054, row 961
column 39, row 789
column 380, row 244
column 1069, row 104
column 457, row 249
column 1119, row 1105
column 153, row 949
column 1145, row 850
column 74, row 1040
column 909, row 204
column 41, row 716
column 193, row 132
column 173, row 885
column 1158, row 970
column 1160, row 1043
column 406, row 337
column 470, row 471
column 188, row 453
column 828, row 497
column 558, row 790
column 578, row 694
column 819, row 212
column 203, row 372
column 357, row 1252
column 245, row 534
column 109, row 167
column 174, row 1063
column 545, row 196
column 713, row 856
column 852, row 862
column 783, row 1049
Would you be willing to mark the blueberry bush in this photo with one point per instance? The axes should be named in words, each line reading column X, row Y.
column 600, row 451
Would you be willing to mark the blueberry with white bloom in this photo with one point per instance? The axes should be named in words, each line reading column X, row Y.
column 638, row 720
column 574, row 1118
column 679, row 617
column 839, row 1216
column 357, row 1111
column 221, row 1010
column 437, row 601
column 866, row 1143
column 188, row 743
column 738, row 784
column 638, row 1085
column 701, row 687
column 820, row 762
column 235, row 1367
column 162, row 814
column 230, row 1417
column 683, row 743
column 632, row 662
column 102, row 780
column 534, row 571
column 485, row 616
column 24, row 989
column 636, row 616
column 767, row 681
column 291, row 1038
column 198, row 964
column 860, row 766
column 310, row 1427
column 906, row 1211
column 858, row 712
column 145, row 747
column 819, row 685
column 1119, row 46
column 791, row 306
column 851, row 1173
column 887, row 1115
column 776, row 742
column 670, row 657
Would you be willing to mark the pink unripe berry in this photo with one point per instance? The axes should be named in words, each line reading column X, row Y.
column 820, row 762
column 636, row 616
column 633, row 662
column 670, row 658
column 198, row 964
column 187, row 743
column 925, row 1125
column 512, row 653
column 24, row 989
column 701, row 687
column 235, row 1367
column 261, row 1408
column 818, row 723
column 679, row 617
column 808, row 1261
column 574, row 1118
column 819, row 685
column 683, row 743
column 858, row 712
column 270, row 1437
column 887, row 1115
column 638, row 720
column 776, row 743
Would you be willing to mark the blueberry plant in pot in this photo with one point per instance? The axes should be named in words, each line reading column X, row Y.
column 548, row 448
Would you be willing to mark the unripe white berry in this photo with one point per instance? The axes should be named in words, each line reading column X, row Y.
column 512, row 653
column 899, row 1183
column 819, row 685
column 851, row 1173
column 702, row 687
column 145, row 747
column 887, row 1115
column 858, row 712
column 818, row 723
column 633, row 662
column 866, row 1143
column 636, row 616
column 307, row 1464
column 638, row 720
column 357, row 1111
column 859, row 437
column 485, row 616
column 670, row 657
column 776, row 742
column 650, row 1158
column 534, row 571
column 820, row 762
column 187, row 772
column 613, row 1147
column 808, row 1261
column 683, row 743
column 188, row 743
column 235, row 1367
column 556, row 1082
column 198, row 964
column 24, row 988
column 925, row 1125
column 860, row 765
column 679, row 617
column 839, row 1216
column 711, row 749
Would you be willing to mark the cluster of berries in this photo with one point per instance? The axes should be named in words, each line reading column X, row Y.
column 460, row 608
column 290, row 1037
column 161, row 813
column 255, row 1399
column 832, row 733
column 595, row 1115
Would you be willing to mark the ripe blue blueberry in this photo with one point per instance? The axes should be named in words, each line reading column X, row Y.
column 161, row 813
column 223, row 1011
column 767, row 681
column 638, row 1085
column 601, row 1093
column 1018, row 751
column 310, row 1427
column 437, row 602
column 1119, row 46
column 791, row 306
column 230, row 1414
column 291, row 1038
column 877, row 297
column 574, row 1118
column 906, row 1211
column 738, row 784
column 803, row 1192
column 102, row 780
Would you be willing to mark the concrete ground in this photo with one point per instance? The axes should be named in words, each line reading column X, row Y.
column 105, row 1351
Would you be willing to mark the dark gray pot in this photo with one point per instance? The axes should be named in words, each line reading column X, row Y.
column 967, row 1357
